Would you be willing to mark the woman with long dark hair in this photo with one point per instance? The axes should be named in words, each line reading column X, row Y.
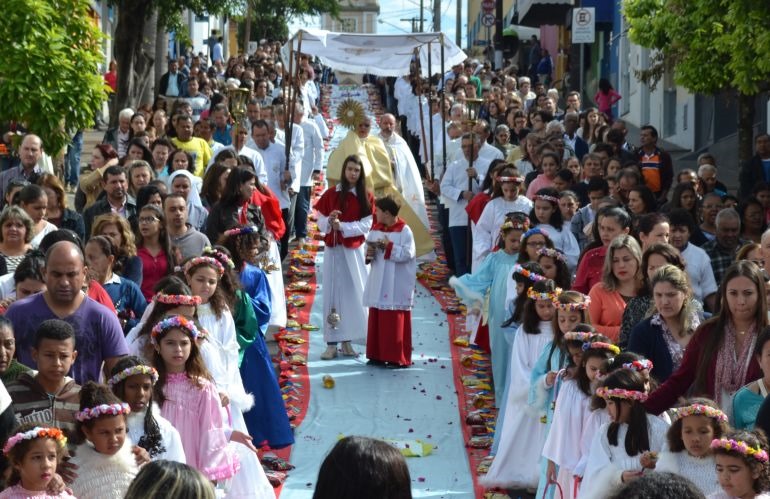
column 153, row 247
column 345, row 216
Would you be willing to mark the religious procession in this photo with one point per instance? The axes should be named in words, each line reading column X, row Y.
column 340, row 263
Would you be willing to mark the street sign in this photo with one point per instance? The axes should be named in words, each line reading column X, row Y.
column 488, row 6
column 488, row 20
column 584, row 25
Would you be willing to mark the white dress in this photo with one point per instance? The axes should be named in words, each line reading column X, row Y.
column 250, row 481
column 278, row 315
column 564, row 241
column 606, row 463
column 699, row 470
column 517, row 462
column 49, row 227
column 488, row 226
column 172, row 442
column 344, row 277
column 722, row 495
column 573, row 408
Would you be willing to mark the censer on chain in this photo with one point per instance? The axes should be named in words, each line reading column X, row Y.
column 333, row 318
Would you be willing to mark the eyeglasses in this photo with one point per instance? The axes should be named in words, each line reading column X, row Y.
column 148, row 220
column 535, row 244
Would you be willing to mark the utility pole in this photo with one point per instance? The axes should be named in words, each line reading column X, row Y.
column 436, row 16
column 414, row 22
column 498, row 43
column 422, row 16
column 459, row 24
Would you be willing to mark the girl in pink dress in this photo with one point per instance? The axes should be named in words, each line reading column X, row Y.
column 34, row 452
column 189, row 400
column 605, row 98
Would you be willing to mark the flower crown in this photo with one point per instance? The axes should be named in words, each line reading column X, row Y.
column 639, row 365
column 175, row 321
column 548, row 295
column 133, row 371
column 218, row 255
column 102, row 410
column 198, row 260
column 186, row 300
column 620, row 393
column 36, row 432
column 582, row 305
column 601, row 345
column 516, row 180
column 246, row 229
column 740, row 447
column 533, row 231
column 699, row 410
column 552, row 253
column 546, row 197
column 515, row 224
column 581, row 336
column 528, row 274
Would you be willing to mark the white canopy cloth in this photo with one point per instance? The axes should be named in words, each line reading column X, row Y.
column 381, row 55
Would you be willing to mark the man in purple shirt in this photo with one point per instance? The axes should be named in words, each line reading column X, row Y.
column 98, row 333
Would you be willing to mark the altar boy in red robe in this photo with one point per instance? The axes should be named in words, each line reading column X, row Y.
column 389, row 291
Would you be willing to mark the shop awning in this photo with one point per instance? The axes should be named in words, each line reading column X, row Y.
column 381, row 55
column 537, row 13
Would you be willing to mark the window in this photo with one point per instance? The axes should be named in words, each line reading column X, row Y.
column 348, row 25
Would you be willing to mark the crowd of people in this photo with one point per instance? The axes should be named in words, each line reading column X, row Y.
column 618, row 300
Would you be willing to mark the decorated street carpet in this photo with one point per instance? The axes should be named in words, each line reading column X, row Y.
column 438, row 411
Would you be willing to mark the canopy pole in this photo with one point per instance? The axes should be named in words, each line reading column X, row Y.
column 288, row 117
column 420, row 94
column 430, row 110
column 443, row 106
column 287, row 91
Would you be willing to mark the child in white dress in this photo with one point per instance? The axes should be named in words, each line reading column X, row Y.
column 697, row 423
column 629, row 443
column 742, row 465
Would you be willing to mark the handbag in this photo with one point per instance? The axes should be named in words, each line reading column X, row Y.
column 558, row 488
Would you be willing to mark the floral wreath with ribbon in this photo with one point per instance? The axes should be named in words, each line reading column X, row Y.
column 175, row 321
column 581, row 336
column 547, row 295
column 134, row 371
column 528, row 274
column 515, row 225
column 552, row 253
column 36, row 432
column 516, row 180
column 638, row 365
column 601, row 345
column 699, row 410
column 186, row 300
column 218, row 255
column 546, row 197
column 620, row 393
column 245, row 229
column 741, row 447
column 571, row 307
column 103, row 410
column 204, row 260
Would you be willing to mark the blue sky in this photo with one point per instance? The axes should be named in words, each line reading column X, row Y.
column 391, row 11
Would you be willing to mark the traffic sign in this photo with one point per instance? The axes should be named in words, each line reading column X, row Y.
column 488, row 5
column 488, row 20
column 584, row 25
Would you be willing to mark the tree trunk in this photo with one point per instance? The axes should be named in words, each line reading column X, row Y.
column 247, row 28
column 161, row 55
column 746, row 114
column 133, row 64
column 149, row 50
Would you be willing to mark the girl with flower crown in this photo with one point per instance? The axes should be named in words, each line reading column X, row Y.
column 491, row 278
column 505, row 200
column 554, row 265
column 742, row 465
column 203, row 274
column 521, row 435
column 588, row 351
column 549, row 370
column 547, row 215
column 108, row 461
column 267, row 420
column 629, row 443
column 132, row 381
column 189, row 400
column 697, row 422
column 34, row 453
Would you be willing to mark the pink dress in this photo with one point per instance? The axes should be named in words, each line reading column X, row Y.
column 19, row 492
column 196, row 412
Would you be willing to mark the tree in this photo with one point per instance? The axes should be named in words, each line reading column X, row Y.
column 49, row 68
column 270, row 18
column 711, row 45
column 139, row 22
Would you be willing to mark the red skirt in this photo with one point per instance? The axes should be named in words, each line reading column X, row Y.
column 389, row 336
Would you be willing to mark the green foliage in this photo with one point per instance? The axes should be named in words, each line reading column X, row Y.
column 712, row 45
column 49, row 73
column 270, row 18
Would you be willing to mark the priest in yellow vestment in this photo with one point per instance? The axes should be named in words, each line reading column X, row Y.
column 379, row 176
